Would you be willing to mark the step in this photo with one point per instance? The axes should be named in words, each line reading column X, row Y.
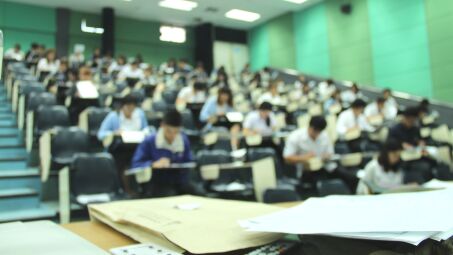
column 11, row 142
column 13, row 165
column 39, row 213
column 18, row 199
column 11, row 179
column 9, row 132
column 7, row 116
column 11, row 123
column 13, row 154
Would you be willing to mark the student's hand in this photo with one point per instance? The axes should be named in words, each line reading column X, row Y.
column 408, row 146
column 161, row 163
column 118, row 132
column 213, row 119
column 326, row 156
column 422, row 143
column 308, row 156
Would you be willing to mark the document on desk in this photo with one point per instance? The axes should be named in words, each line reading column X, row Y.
column 43, row 238
column 87, row 90
column 214, row 220
column 425, row 212
column 133, row 136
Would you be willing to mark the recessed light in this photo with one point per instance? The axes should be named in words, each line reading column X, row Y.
column 296, row 1
column 242, row 15
column 182, row 5
column 127, row 0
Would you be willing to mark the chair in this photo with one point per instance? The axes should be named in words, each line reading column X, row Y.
column 46, row 118
column 332, row 187
column 169, row 96
column 91, row 119
column 254, row 154
column 35, row 100
column 280, row 196
column 21, row 92
column 58, row 148
column 160, row 106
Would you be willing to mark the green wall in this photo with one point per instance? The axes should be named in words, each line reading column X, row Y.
column 402, row 44
column 439, row 20
column 311, row 41
column 26, row 23
column 281, row 42
column 135, row 36
column 259, row 47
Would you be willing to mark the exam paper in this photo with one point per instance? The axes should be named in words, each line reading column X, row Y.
column 87, row 90
column 133, row 136
column 407, row 212
column 212, row 228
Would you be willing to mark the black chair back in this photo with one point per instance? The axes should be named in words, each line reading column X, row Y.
column 48, row 117
column 280, row 196
column 67, row 142
column 332, row 187
column 95, row 118
column 37, row 99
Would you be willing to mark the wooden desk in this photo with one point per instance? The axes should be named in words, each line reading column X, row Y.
column 107, row 238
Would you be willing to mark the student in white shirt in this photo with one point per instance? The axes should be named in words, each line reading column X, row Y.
column 192, row 94
column 307, row 143
column 131, row 71
column 333, row 105
column 379, row 109
column 390, row 100
column 117, row 66
column 350, row 95
column 149, row 78
column 272, row 96
column 353, row 119
column 384, row 172
column 77, row 58
column 48, row 65
column 326, row 89
column 260, row 122
column 15, row 53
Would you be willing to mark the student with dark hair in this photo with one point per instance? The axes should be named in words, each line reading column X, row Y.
column 195, row 93
column 307, row 143
column 326, row 89
column 217, row 106
column 384, row 172
column 353, row 119
column 158, row 151
column 407, row 131
column 350, row 95
column 15, row 53
column 128, row 118
column 379, row 108
column 261, row 121
column 48, row 65
column 272, row 95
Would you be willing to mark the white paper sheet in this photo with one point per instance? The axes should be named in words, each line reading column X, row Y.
column 133, row 136
column 87, row 90
column 409, row 212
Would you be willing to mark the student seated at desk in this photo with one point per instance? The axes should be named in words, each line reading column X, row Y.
column 350, row 95
column 192, row 94
column 384, row 172
column 272, row 96
column 14, row 53
column 131, row 71
column 390, row 101
column 333, row 102
column 149, row 78
column 379, row 109
column 407, row 131
column 307, row 143
column 260, row 122
column 351, row 121
column 158, row 151
column 128, row 118
column 326, row 89
column 48, row 65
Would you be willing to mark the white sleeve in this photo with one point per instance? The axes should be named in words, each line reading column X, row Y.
column 364, row 125
column 248, row 121
column 341, row 124
column 291, row 146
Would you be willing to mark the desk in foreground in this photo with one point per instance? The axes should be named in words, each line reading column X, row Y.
column 107, row 238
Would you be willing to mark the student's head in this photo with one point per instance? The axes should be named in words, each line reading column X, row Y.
column 171, row 125
column 128, row 105
column 97, row 52
column 316, row 126
column 273, row 87
column 84, row 73
column 51, row 55
column 265, row 110
column 336, row 95
column 63, row 65
column 225, row 96
column 199, row 86
column 389, row 156
column 355, row 88
column 34, row 46
column 302, row 78
column 139, row 58
column 148, row 71
column 410, row 116
column 134, row 65
column 73, row 75
column 380, row 101
column 387, row 93
column 17, row 47
column 121, row 60
column 358, row 106
column 330, row 82
column 424, row 107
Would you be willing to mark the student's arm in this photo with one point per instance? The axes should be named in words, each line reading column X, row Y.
column 187, row 152
column 143, row 155
column 341, row 125
column 248, row 126
column 208, row 110
column 290, row 153
column 143, row 120
column 108, row 126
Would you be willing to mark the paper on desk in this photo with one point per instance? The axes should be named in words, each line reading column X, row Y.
column 94, row 198
column 437, row 184
column 87, row 90
column 133, row 136
column 43, row 238
column 215, row 220
column 353, row 214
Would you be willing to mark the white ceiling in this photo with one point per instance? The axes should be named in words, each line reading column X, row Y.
column 149, row 10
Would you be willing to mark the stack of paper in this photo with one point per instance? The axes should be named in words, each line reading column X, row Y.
column 186, row 223
column 43, row 238
column 406, row 217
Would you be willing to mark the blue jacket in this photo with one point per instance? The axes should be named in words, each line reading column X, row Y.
column 111, row 123
column 147, row 153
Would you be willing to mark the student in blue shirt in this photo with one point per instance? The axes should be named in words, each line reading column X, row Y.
column 158, row 151
column 128, row 118
column 216, row 107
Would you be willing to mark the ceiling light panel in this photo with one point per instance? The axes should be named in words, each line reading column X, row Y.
column 242, row 15
column 182, row 5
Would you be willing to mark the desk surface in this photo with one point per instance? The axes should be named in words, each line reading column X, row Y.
column 107, row 238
